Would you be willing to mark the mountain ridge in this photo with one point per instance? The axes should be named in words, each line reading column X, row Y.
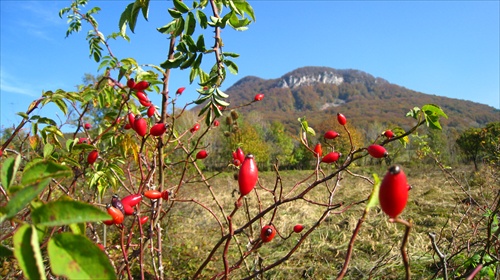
column 319, row 92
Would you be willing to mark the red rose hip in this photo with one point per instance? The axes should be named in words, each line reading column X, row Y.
column 377, row 151
column 393, row 194
column 267, row 233
column 341, row 119
column 248, row 175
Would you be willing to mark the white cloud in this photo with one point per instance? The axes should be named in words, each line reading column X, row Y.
column 11, row 84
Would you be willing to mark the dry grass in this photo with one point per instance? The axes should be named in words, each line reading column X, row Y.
column 190, row 231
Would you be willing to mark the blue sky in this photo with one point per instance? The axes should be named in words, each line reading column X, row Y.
column 446, row 48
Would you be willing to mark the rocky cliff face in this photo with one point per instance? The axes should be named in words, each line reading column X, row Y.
column 294, row 81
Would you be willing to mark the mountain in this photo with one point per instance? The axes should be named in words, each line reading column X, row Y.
column 320, row 92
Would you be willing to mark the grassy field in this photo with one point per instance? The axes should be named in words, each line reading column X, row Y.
column 438, row 204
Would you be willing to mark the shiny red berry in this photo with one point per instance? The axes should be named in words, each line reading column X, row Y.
column 195, row 128
column 393, row 194
column 132, row 199
column 298, row 228
column 92, row 157
column 180, row 90
column 331, row 134
column 267, row 233
column 331, row 157
column 152, row 194
column 131, row 83
column 318, row 150
column 115, row 214
column 158, row 129
column 151, row 111
column 140, row 126
column 258, row 97
column 201, row 154
column 248, row 175
column 389, row 134
column 142, row 85
column 341, row 119
column 377, row 151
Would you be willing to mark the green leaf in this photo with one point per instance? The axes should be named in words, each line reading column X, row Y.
column 413, row 113
column 75, row 257
column 190, row 43
column 175, row 62
column 190, row 24
column 202, row 18
column 188, row 62
column 27, row 252
column 169, row 28
column 145, row 9
column 180, row 6
column 5, row 252
column 373, row 200
column 42, row 170
column 200, row 43
column 62, row 106
column 220, row 93
column 21, row 198
column 47, row 150
column 194, row 71
column 432, row 109
column 77, row 228
column 9, row 170
column 221, row 102
column 231, row 54
column 23, row 115
column 65, row 212
column 244, row 7
column 233, row 68
column 174, row 13
column 202, row 99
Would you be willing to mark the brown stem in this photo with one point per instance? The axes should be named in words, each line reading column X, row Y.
column 404, row 254
column 351, row 245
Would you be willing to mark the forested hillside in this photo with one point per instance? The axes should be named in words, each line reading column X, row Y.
column 321, row 92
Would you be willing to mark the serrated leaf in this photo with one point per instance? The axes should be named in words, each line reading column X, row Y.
column 21, row 198
column 63, row 212
column 27, row 252
column 76, row 257
column 373, row 200
column 9, row 170
column 43, row 170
